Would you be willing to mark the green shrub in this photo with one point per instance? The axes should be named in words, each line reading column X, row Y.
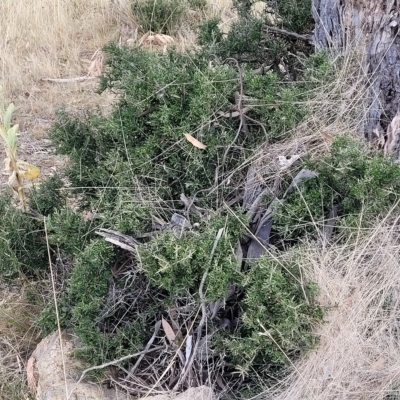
column 135, row 162
column 81, row 306
column 275, row 318
column 164, row 97
column 159, row 16
column 48, row 197
column 177, row 263
column 209, row 33
column 22, row 241
column 354, row 177
column 295, row 14
column 69, row 232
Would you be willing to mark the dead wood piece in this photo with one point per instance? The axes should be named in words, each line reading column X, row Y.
column 329, row 226
column 261, row 237
column 299, row 179
column 149, row 343
column 284, row 32
column 119, row 239
column 67, row 80
column 371, row 26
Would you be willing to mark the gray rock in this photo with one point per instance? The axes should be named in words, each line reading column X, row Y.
column 46, row 377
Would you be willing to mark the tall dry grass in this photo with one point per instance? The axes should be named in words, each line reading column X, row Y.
column 358, row 355
column 54, row 39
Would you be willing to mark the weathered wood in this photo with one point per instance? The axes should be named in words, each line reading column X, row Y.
column 373, row 24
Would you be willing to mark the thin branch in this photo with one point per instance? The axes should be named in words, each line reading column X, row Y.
column 56, row 308
column 189, row 363
column 67, row 80
column 150, row 342
column 114, row 362
column 306, row 38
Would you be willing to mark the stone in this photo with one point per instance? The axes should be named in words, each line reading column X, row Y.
column 46, row 377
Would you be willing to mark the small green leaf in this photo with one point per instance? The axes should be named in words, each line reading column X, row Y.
column 11, row 139
column 3, row 132
column 7, row 116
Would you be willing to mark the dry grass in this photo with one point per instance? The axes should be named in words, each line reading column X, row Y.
column 17, row 339
column 53, row 39
column 358, row 356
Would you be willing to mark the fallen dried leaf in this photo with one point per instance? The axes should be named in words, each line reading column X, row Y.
column 328, row 137
column 31, row 172
column 169, row 332
column 158, row 39
column 194, row 141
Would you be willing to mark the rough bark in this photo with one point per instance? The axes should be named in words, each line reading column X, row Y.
column 373, row 24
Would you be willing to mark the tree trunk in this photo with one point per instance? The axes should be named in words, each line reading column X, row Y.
column 374, row 24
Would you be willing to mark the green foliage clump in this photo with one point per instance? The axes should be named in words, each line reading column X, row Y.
column 82, row 304
column 163, row 97
column 358, row 180
column 276, row 316
column 163, row 16
column 134, row 163
column 68, row 231
column 281, row 111
column 177, row 262
column 160, row 16
column 209, row 33
column 22, row 241
column 295, row 14
column 250, row 41
column 23, row 245
column 48, row 197
column 244, row 41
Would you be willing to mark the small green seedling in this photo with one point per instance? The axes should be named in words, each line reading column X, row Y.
column 16, row 169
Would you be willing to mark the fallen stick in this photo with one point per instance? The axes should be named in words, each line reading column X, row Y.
column 66, row 80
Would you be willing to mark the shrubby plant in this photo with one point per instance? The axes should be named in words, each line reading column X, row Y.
column 130, row 167
column 22, row 243
column 353, row 177
column 163, row 16
column 159, row 16
column 276, row 316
